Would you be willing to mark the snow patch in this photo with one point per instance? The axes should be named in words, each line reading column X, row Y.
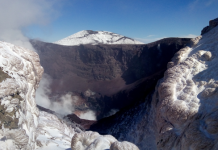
column 96, row 37
column 88, row 115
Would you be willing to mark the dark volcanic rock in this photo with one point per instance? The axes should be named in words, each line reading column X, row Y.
column 133, row 124
column 212, row 24
column 106, row 77
column 45, row 109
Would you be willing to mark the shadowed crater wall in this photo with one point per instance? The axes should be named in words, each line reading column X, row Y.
column 106, row 77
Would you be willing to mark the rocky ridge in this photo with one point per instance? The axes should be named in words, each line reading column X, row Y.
column 186, row 98
column 213, row 23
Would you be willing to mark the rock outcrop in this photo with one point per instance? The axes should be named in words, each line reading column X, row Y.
column 93, row 141
column 20, row 74
column 212, row 24
column 54, row 133
column 186, row 98
column 103, row 78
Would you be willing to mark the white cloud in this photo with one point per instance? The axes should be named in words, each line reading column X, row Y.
column 200, row 3
column 150, row 35
column 193, row 4
column 65, row 104
column 210, row 2
column 16, row 15
column 43, row 91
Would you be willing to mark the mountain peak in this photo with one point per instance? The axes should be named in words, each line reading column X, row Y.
column 96, row 37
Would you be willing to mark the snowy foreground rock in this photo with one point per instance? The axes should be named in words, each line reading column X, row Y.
column 96, row 37
column 20, row 73
column 93, row 141
column 54, row 134
column 22, row 126
column 186, row 99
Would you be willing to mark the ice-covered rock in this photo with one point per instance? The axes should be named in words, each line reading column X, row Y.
column 96, row 37
column 20, row 73
column 213, row 23
column 186, row 98
column 123, row 146
column 93, row 141
column 53, row 133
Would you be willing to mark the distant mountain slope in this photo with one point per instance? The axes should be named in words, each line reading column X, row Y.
column 96, row 37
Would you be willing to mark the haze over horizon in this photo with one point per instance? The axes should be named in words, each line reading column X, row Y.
column 145, row 21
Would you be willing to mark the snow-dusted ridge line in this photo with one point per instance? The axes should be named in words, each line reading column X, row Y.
column 96, row 37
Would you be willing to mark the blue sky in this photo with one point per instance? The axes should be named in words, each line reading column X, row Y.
column 145, row 20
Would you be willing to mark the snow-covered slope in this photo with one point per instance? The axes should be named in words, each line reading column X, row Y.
column 96, row 37
column 186, row 101
column 53, row 133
